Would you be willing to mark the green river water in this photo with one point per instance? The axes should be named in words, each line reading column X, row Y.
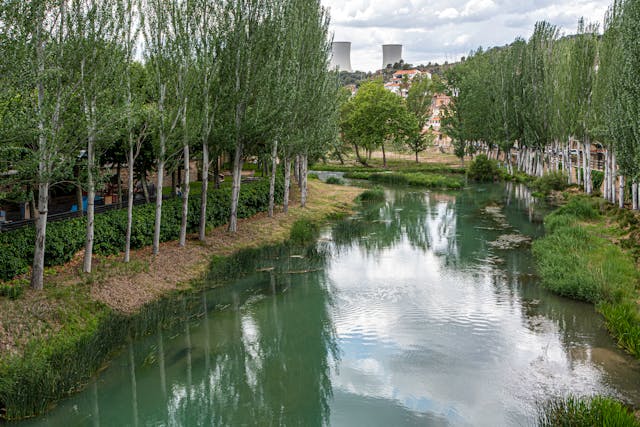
column 424, row 310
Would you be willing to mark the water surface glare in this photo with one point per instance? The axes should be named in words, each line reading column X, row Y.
column 423, row 310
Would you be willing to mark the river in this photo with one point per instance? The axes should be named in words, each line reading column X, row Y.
column 422, row 310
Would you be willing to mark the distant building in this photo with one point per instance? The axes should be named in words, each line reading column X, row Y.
column 438, row 103
column 401, row 81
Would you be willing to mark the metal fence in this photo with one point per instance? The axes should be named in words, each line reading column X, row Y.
column 14, row 225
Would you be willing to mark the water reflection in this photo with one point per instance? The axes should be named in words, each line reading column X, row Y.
column 422, row 310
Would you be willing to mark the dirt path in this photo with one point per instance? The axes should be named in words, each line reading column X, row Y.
column 127, row 287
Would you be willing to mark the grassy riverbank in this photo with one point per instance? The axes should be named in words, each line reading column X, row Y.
column 51, row 342
column 590, row 253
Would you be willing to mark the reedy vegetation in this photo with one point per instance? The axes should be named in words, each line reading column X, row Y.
column 180, row 78
column 536, row 96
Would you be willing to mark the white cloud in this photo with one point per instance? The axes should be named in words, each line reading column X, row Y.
column 445, row 30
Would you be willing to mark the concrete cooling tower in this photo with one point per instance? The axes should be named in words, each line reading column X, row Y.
column 391, row 54
column 341, row 56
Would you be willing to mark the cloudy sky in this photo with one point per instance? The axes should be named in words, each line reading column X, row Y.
column 439, row 30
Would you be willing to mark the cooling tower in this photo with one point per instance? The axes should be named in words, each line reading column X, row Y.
column 391, row 54
column 341, row 56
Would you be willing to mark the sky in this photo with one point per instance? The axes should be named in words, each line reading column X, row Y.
column 446, row 30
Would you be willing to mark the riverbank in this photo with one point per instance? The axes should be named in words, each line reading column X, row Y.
column 591, row 253
column 42, row 332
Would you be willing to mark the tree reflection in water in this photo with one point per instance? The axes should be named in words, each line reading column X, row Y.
column 254, row 367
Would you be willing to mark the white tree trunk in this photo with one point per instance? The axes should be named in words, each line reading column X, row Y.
column 621, row 193
column 235, row 189
column 569, row 162
column 130, row 161
column 614, row 176
column 287, row 184
column 91, row 196
column 272, row 183
column 304, row 159
column 187, row 179
column 205, row 190
column 587, row 166
column 185, row 196
column 37, row 273
column 605, row 193
column 158, row 219
column 634, row 189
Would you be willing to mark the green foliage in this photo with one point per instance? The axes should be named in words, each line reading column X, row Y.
column 597, row 178
column 575, row 412
column 580, row 207
column 375, row 194
column 375, row 117
column 11, row 290
column 574, row 261
column 57, row 367
column 303, row 232
column 66, row 238
column 483, row 169
column 335, row 180
column 623, row 321
column 418, row 180
column 552, row 181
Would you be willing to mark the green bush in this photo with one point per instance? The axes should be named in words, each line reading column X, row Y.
column 303, row 232
column 335, row 180
column 66, row 238
column 576, row 412
column 597, row 178
column 552, row 181
column 483, row 169
column 375, row 194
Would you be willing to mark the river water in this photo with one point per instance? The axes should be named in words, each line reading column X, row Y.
column 423, row 310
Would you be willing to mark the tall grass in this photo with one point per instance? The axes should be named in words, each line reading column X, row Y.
column 575, row 412
column 575, row 261
column 375, row 194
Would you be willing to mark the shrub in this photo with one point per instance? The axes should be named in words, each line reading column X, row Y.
column 335, row 180
column 303, row 232
column 552, row 181
column 375, row 194
column 597, row 178
column 597, row 411
column 483, row 169
column 66, row 238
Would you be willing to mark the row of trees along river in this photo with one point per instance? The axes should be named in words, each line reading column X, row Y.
column 171, row 80
column 539, row 95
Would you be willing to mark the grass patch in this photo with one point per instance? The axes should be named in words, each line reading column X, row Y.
column 303, row 232
column 575, row 412
column 375, row 194
column 418, row 180
column 334, row 180
column 578, row 259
